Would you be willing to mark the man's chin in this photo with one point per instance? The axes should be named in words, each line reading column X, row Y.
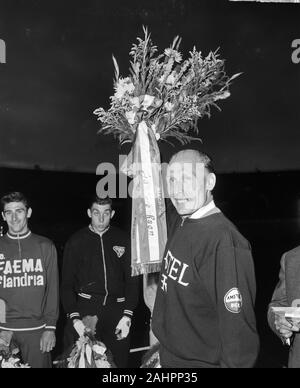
column 184, row 212
column 15, row 231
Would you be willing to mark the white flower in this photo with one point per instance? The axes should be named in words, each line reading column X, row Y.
column 161, row 79
column 130, row 116
column 169, row 106
column 99, row 349
column 123, row 86
column 147, row 101
column 135, row 101
column 173, row 53
column 171, row 79
column 102, row 364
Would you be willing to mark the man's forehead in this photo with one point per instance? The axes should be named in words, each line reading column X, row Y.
column 99, row 207
column 14, row 206
column 186, row 167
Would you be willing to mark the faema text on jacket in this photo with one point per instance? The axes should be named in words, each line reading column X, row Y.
column 204, row 309
column 28, row 282
column 97, row 272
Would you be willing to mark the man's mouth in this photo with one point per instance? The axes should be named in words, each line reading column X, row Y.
column 180, row 201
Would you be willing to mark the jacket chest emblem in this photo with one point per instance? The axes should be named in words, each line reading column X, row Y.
column 119, row 250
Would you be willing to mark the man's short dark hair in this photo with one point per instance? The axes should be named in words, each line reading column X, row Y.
column 198, row 156
column 100, row 201
column 207, row 161
column 14, row 196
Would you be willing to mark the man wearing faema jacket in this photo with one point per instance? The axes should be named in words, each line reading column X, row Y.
column 28, row 284
column 203, row 315
column 97, row 282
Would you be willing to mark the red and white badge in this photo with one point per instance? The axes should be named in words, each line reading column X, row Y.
column 233, row 301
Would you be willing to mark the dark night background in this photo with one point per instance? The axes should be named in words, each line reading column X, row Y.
column 59, row 69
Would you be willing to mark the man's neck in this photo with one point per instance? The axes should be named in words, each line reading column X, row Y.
column 94, row 230
column 22, row 234
column 204, row 210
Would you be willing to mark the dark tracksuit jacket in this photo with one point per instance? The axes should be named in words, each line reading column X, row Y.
column 97, row 272
column 203, row 314
column 28, row 282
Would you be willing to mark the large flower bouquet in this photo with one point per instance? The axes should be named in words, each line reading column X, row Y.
column 168, row 93
column 90, row 353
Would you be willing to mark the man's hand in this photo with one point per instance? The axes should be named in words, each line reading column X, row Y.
column 47, row 341
column 123, row 327
column 90, row 322
column 284, row 328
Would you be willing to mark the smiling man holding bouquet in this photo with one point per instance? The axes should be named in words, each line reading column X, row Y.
column 203, row 315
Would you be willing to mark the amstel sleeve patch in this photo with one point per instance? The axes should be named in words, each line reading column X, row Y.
column 233, row 301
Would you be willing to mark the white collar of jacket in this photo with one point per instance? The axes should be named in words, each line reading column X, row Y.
column 94, row 231
column 18, row 236
column 204, row 210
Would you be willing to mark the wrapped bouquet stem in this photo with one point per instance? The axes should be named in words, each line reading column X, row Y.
column 148, row 232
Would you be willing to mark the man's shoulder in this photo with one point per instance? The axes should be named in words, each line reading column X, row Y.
column 79, row 235
column 228, row 233
column 292, row 255
column 41, row 239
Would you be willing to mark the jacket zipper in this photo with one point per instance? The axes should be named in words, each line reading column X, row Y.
column 105, row 275
column 19, row 246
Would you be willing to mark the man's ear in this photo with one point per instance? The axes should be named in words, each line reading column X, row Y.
column 112, row 214
column 211, row 181
column 3, row 216
column 29, row 212
column 89, row 213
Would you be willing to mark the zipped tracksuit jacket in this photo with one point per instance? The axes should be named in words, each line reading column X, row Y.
column 29, row 286
column 97, row 281
column 204, row 309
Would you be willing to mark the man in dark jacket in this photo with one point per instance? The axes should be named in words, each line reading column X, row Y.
column 204, row 309
column 287, row 294
column 97, row 282
column 28, row 284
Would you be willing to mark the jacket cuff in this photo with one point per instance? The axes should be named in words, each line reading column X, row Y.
column 74, row 315
column 128, row 313
column 49, row 328
column 50, row 324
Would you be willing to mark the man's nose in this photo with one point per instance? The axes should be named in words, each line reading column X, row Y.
column 177, row 189
column 15, row 217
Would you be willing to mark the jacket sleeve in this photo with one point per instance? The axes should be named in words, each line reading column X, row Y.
column 51, row 310
column 279, row 298
column 69, row 281
column 235, row 297
column 131, row 284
